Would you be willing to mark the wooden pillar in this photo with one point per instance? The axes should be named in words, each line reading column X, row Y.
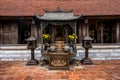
column 53, row 35
column 34, row 31
column 80, row 33
column 102, row 27
column 75, row 31
column 1, row 34
column 85, row 28
column 118, row 32
column 66, row 34
column 41, row 33
column 98, row 33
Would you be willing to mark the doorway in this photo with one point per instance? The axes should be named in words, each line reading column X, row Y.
column 109, row 32
column 24, row 32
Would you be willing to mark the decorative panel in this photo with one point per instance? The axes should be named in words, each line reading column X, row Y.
column 59, row 61
column 14, row 33
column 7, row 34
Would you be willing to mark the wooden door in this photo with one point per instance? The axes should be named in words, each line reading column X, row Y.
column 7, row 34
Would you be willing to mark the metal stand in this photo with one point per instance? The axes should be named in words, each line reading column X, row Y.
column 32, row 61
column 86, row 60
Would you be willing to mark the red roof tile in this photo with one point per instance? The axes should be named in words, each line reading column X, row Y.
column 85, row 7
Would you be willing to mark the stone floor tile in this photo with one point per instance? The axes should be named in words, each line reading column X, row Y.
column 100, row 70
column 82, row 77
column 117, row 77
column 28, row 78
column 1, row 78
column 20, row 77
column 65, row 77
column 10, row 78
column 37, row 77
column 74, row 77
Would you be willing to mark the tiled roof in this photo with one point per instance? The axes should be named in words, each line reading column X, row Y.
column 86, row 7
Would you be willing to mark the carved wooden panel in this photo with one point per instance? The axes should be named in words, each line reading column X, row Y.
column 58, row 61
column 7, row 34
column 14, row 33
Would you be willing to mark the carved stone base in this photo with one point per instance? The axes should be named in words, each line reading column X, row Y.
column 32, row 62
column 86, row 61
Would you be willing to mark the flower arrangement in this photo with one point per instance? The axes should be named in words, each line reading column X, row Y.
column 46, row 37
column 72, row 37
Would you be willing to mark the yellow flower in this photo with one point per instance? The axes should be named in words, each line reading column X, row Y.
column 46, row 37
column 72, row 37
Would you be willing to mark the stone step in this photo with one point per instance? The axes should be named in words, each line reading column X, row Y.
column 95, row 54
column 10, row 55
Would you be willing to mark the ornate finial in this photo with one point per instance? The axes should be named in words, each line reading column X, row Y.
column 58, row 9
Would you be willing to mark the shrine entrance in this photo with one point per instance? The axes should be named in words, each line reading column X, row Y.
column 58, row 32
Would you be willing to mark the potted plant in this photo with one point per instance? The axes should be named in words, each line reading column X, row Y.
column 72, row 38
column 46, row 38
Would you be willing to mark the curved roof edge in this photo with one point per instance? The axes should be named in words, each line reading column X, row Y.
column 58, row 15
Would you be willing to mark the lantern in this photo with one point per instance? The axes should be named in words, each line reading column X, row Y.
column 87, row 43
column 32, row 45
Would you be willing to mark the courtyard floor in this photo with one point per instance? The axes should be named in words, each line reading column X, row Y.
column 100, row 70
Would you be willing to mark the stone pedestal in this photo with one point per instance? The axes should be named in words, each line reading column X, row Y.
column 86, row 61
column 32, row 62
